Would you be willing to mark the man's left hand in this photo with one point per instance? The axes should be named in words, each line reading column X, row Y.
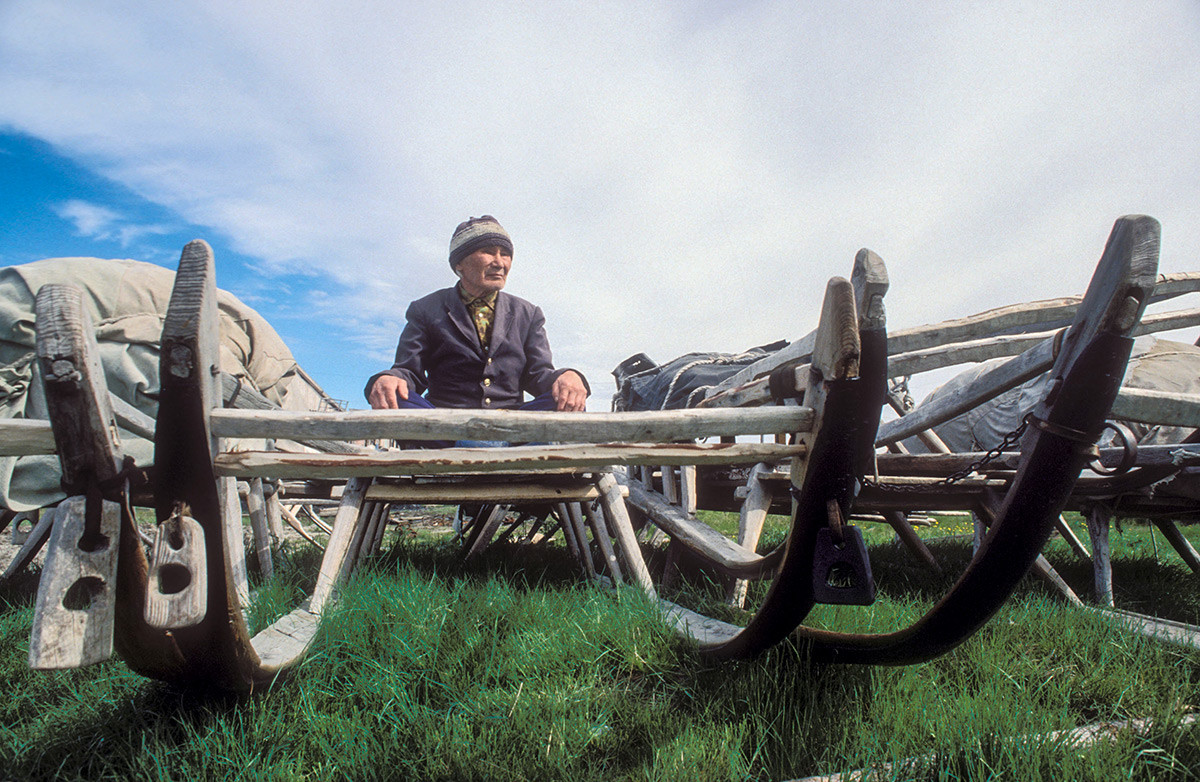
column 569, row 392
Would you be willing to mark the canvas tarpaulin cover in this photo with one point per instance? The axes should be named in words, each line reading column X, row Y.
column 127, row 301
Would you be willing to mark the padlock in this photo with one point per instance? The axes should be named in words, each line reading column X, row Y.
column 842, row 572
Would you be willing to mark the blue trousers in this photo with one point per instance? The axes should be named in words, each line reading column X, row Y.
column 414, row 402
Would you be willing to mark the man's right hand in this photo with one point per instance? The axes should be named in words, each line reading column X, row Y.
column 385, row 392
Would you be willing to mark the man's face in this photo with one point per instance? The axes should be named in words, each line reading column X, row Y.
column 485, row 270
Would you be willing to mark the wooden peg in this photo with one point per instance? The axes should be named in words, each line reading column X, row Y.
column 176, row 595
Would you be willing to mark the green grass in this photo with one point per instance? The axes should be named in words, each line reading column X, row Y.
column 511, row 668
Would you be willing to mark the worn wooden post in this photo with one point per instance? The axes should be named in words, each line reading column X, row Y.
column 898, row 520
column 271, row 506
column 585, row 551
column 1098, row 517
column 257, row 511
column 1181, row 544
column 687, row 489
column 337, row 550
column 618, row 522
column 32, row 542
column 487, row 530
column 601, row 535
column 752, row 516
column 233, row 538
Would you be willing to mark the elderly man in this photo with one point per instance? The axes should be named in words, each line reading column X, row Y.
column 474, row 346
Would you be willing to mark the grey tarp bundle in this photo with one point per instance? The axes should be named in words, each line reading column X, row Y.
column 127, row 301
column 679, row 382
column 1156, row 364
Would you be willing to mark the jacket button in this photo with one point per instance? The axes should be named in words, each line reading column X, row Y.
column 487, row 401
column 487, row 381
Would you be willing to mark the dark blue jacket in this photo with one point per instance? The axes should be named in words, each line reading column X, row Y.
column 440, row 351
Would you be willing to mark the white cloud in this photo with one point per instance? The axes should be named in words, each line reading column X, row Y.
column 99, row 222
column 675, row 178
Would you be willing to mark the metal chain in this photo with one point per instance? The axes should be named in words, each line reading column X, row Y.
column 1009, row 440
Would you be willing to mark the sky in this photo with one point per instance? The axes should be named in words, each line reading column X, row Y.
column 676, row 176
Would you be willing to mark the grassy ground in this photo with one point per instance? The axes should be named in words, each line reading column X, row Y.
column 513, row 669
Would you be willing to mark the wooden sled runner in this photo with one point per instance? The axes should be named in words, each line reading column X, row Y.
column 1088, row 361
column 177, row 617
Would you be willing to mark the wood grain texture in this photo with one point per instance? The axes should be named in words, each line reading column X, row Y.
column 74, row 616
column 516, row 426
column 77, row 398
column 178, row 588
column 276, row 464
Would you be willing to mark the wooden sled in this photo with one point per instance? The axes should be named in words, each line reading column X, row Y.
column 182, row 615
column 1090, row 355
column 178, row 616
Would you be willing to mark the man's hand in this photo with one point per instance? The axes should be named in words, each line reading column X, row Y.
column 569, row 392
column 386, row 390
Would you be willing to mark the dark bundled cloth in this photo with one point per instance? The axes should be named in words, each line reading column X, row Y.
column 681, row 382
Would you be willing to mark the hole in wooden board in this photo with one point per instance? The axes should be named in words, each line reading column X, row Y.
column 81, row 594
column 173, row 578
column 93, row 543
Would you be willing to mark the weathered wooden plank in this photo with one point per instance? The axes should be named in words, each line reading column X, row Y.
column 256, row 510
column 516, row 493
column 751, row 518
column 32, row 543
column 26, row 437
column 237, row 394
column 697, row 536
column 455, row 460
column 1173, row 284
column 1166, row 630
column 131, row 419
column 702, row 629
column 74, row 616
column 616, row 516
column 287, row 639
column 928, row 358
column 77, row 398
column 1168, row 408
column 344, row 526
column 518, row 426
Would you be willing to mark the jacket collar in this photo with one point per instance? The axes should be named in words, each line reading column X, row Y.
column 457, row 311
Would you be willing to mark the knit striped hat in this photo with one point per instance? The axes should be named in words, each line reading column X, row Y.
column 477, row 232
